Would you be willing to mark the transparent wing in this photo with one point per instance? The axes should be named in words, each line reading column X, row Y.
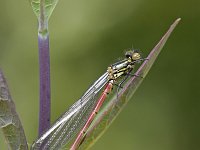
column 72, row 120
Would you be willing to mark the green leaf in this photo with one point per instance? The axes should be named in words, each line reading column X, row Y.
column 117, row 102
column 44, row 7
column 9, row 119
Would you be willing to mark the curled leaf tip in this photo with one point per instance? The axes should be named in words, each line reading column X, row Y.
column 176, row 21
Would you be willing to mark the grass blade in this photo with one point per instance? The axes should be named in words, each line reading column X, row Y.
column 115, row 105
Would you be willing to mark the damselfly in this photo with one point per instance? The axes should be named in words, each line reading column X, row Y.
column 81, row 114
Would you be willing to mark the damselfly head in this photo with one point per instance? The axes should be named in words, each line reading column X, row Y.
column 133, row 54
column 136, row 56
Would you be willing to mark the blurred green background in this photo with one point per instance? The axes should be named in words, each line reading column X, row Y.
column 88, row 35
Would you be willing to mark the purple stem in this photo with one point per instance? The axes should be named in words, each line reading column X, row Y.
column 45, row 103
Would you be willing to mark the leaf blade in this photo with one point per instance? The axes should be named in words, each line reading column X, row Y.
column 9, row 119
column 48, row 5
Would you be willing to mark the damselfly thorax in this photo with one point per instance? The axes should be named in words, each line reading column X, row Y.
column 123, row 67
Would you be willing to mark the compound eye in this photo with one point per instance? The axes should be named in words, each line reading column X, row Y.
column 129, row 54
column 136, row 56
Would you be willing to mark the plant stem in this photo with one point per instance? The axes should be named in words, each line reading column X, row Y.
column 44, row 62
column 45, row 104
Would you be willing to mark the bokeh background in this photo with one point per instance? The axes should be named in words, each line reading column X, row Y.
column 88, row 35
